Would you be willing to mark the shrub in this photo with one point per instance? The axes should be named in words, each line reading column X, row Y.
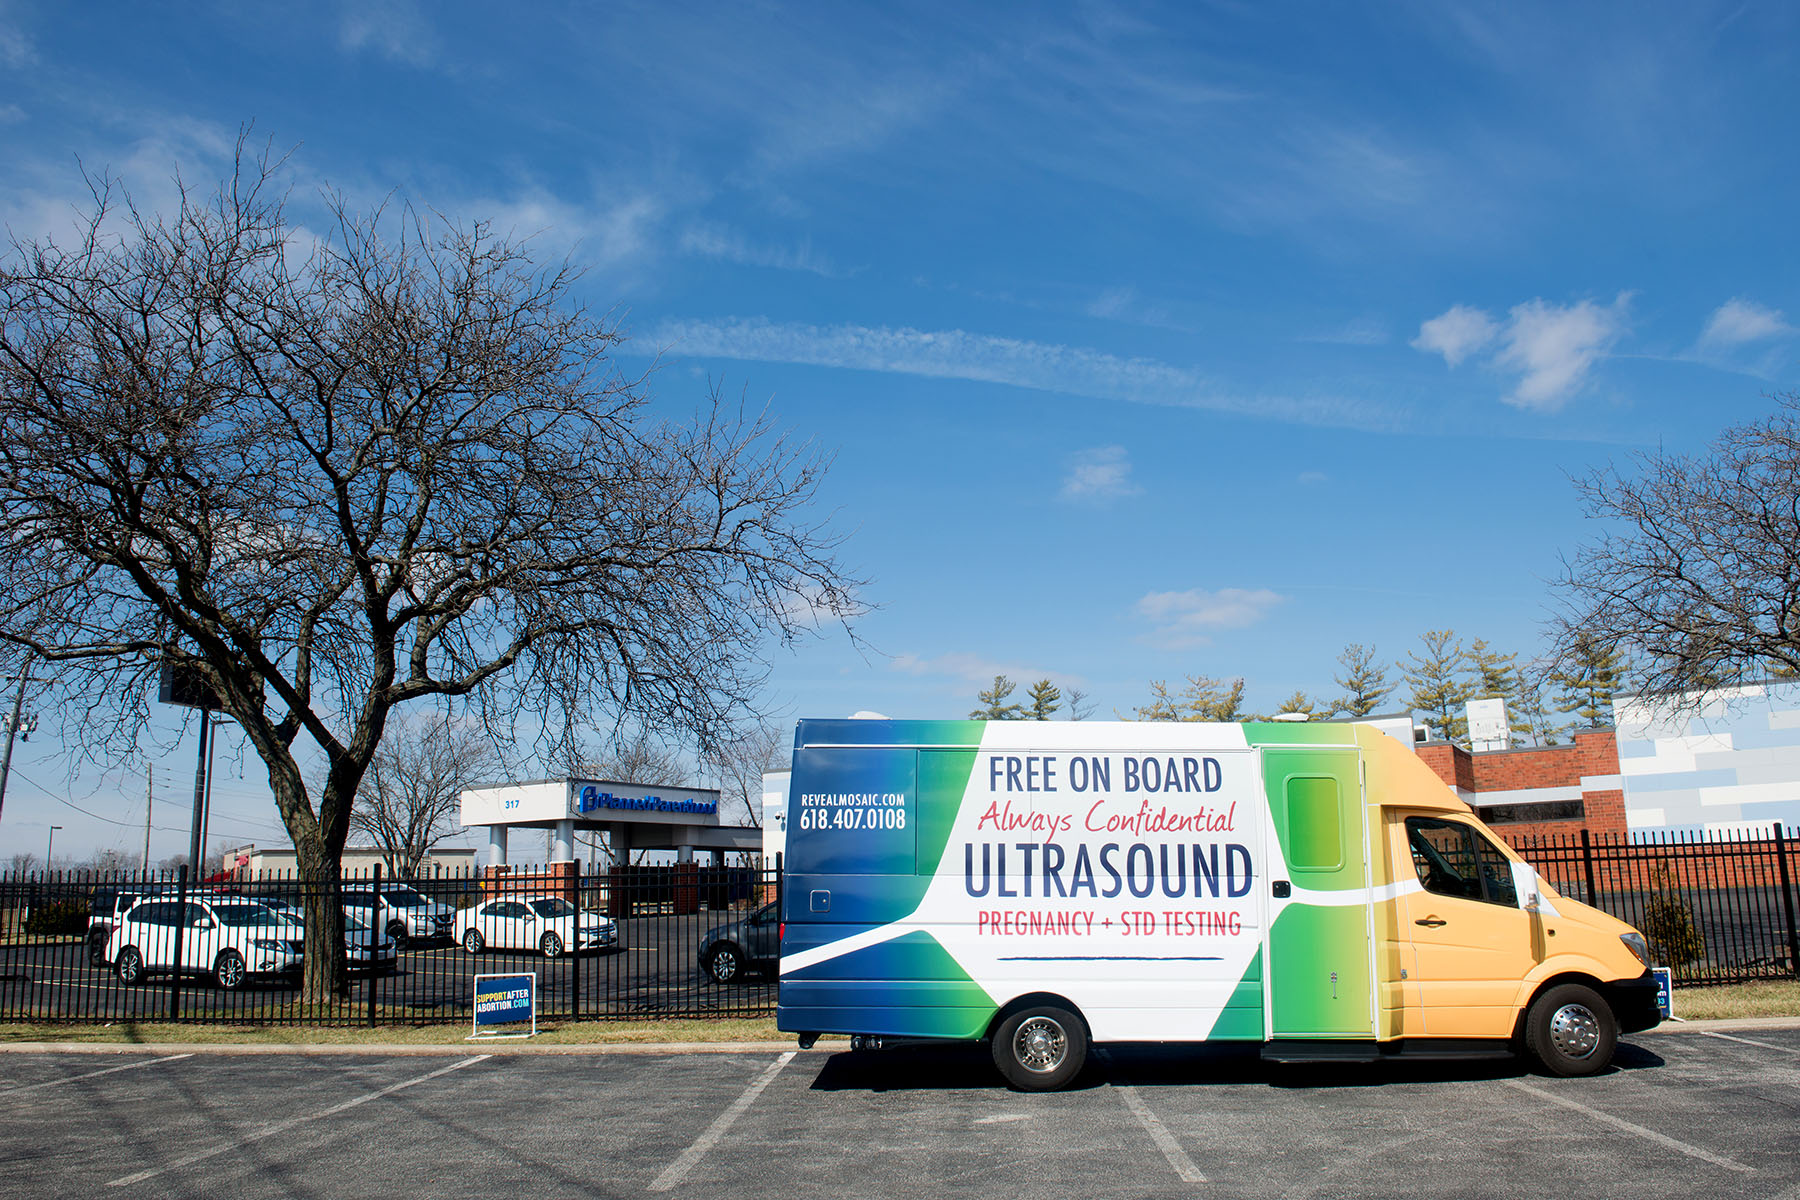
column 1675, row 939
column 58, row 918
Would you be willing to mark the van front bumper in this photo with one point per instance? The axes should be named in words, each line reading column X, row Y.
column 1634, row 1003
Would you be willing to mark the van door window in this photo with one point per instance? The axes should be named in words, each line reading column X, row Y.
column 1314, row 840
column 1454, row 860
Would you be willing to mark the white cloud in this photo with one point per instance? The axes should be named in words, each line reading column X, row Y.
column 1123, row 304
column 393, row 28
column 715, row 241
column 16, row 46
column 1362, row 331
column 599, row 236
column 1738, row 321
column 958, row 354
column 1187, row 619
column 1456, row 333
column 1551, row 347
column 1100, row 473
column 1554, row 346
column 975, row 669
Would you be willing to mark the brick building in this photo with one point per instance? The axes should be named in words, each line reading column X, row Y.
column 1541, row 790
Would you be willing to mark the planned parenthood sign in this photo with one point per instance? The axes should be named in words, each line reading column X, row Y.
column 502, row 1004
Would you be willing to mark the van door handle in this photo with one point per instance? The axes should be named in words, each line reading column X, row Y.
column 1433, row 922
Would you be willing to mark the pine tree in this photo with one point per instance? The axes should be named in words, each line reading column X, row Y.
column 1297, row 703
column 1203, row 699
column 1588, row 679
column 1496, row 676
column 1440, row 682
column 996, row 707
column 1044, row 700
column 1364, row 682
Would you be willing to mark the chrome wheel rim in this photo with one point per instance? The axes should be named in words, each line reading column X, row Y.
column 1575, row 1031
column 724, row 965
column 1040, row 1045
column 552, row 945
column 231, row 971
column 129, row 966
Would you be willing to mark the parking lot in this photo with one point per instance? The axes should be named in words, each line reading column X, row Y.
column 656, row 972
column 1683, row 1113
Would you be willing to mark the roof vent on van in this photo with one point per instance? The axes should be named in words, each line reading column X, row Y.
column 1289, row 717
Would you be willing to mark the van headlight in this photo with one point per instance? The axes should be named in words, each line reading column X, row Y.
column 1634, row 942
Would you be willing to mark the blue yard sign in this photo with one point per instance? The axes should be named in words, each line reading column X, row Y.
column 504, row 1002
column 1665, row 999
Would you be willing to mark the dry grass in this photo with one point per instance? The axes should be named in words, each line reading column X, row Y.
column 1765, row 998
column 554, row 1033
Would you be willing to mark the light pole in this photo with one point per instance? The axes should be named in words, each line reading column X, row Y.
column 51, row 845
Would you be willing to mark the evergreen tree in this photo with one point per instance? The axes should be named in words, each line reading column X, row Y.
column 1588, row 678
column 1497, row 676
column 995, row 706
column 1440, row 682
column 1297, row 703
column 1045, row 698
column 1364, row 681
column 1203, row 699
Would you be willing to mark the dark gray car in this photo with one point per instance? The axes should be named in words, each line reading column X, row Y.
column 752, row 944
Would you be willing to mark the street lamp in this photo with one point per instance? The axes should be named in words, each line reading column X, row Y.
column 51, row 845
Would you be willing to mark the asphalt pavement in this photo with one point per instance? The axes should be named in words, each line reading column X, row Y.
column 1695, row 1111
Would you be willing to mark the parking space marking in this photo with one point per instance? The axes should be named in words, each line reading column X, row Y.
column 136, row 1066
column 1748, row 1041
column 1184, row 1167
column 1628, row 1127
column 677, row 1170
column 284, row 1126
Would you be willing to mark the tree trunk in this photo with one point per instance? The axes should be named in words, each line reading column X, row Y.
column 326, row 970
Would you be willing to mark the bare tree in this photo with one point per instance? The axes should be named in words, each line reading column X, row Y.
column 377, row 461
column 741, row 762
column 1698, row 576
column 414, row 785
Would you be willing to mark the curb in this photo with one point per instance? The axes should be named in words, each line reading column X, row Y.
column 494, row 1046
column 589, row 1049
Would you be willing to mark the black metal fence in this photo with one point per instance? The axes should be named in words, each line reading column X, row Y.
column 1715, row 908
column 615, row 945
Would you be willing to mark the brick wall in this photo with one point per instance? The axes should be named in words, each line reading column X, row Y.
column 1593, row 753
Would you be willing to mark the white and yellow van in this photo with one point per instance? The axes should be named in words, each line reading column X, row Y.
column 1045, row 886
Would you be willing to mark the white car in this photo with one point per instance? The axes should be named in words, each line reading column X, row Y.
column 230, row 939
column 363, row 956
column 403, row 911
column 546, row 923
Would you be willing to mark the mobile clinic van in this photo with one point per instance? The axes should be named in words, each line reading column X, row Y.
column 1312, row 887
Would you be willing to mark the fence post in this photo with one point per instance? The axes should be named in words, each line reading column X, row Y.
column 1587, row 859
column 180, row 928
column 575, row 950
column 374, row 940
column 1787, row 900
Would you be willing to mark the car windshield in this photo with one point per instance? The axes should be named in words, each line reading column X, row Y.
column 245, row 914
column 555, row 906
column 404, row 899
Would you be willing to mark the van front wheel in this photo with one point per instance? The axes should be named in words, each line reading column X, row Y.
column 1040, row 1049
column 1571, row 1030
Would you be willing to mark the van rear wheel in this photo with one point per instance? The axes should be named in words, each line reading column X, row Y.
column 1571, row 1030
column 1040, row 1049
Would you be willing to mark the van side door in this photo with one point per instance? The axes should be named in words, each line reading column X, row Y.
column 1320, row 966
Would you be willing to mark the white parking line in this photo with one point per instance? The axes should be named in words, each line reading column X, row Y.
column 284, row 1126
column 149, row 1062
column 1185, row 1170
column 1748, row 1041
column 675, row 1171
column 1628, row 1127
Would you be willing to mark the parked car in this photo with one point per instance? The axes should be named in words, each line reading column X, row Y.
column 546, row 923
column 379, row 955
column 752, row 944
column 231, row 939
column 403, row 912
column 112, row 901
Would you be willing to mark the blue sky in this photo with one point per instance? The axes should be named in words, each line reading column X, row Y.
column 1150, row 339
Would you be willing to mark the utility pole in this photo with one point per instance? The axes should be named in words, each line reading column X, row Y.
column 12, row 728
column 149, row 794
